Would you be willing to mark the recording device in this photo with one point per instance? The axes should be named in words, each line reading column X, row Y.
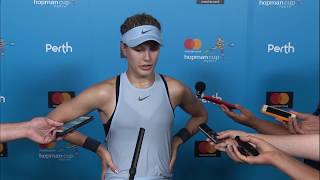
column 245, row 148
column 209, row 133
column 201, row 86
column 277, row 113
column 74, row 124
column 133, row 168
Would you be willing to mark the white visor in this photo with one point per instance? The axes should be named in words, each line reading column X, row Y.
column 140, row 34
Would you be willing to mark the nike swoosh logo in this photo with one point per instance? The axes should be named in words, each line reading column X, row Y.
column 141, row 99
column 143, row 32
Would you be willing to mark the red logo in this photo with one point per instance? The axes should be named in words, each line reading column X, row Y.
column 192, row 44
column 56, row 98
column 205, row 149
column 280, row 99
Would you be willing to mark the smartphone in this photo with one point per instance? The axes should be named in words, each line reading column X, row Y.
column 74, row 124
column 209, row 133
column 245, row 148
column 277, row 113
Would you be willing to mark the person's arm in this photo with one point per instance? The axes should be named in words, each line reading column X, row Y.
column 183, row 97
column 245, row 117
column 40, row 130
column 271, row 155
column 293, row 167
column 304, row 124
column 304, row 146
column 93, row 98
column 191, row 105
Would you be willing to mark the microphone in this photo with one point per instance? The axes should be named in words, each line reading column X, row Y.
column 218, row 101
column 133, row 168
column 201, row 86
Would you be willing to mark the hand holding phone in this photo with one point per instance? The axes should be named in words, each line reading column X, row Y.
column 277, row 113
column 245, row 148
column 74, row 124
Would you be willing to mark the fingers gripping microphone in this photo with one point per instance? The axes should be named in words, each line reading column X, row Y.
column 136, row 154
column 200, row 87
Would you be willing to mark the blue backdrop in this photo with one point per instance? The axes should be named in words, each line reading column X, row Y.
column 244, row 49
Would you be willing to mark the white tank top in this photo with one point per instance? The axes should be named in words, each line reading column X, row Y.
column 148, row 108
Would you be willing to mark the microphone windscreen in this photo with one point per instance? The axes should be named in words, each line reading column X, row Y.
column 200, row 86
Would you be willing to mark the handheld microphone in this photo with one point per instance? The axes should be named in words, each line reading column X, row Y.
column 136, row 154
column 201, row 86
column 218, row 101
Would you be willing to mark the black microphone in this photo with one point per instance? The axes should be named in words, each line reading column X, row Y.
column 200, row 87
column 136, row 154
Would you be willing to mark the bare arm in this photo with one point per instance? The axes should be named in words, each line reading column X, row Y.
column 40, row 130
column 12, row 131
column 181, row 96
column 271, row 155
column 305, row 146
column 293, row 167
column 96, row 97
column 245, row 117
column 191, row 105
column 74, row 108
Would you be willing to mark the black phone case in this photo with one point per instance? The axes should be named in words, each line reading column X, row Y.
column 59, row 134
column 245, row 146
column 209, row 133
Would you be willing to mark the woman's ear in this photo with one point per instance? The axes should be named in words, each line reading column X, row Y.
column 123, row 49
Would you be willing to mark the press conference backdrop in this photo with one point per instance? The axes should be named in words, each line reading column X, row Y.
column 250, row 52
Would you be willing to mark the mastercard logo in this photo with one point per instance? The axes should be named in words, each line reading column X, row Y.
column 192, row 44
column 280, row 99
column 205, row 149
column 47, row 146
column 3, row 150
column 58, row 97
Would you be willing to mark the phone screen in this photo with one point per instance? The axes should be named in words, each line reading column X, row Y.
column 209, row 133
column 278, row 112
column 74, row 124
